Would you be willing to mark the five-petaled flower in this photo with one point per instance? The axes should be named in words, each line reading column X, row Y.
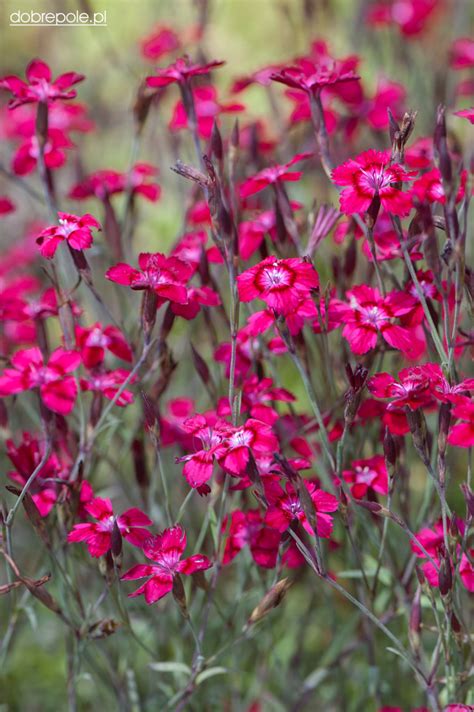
column 166, row 276
column 272, row 176
column 57, row 386
column 98, row 535
column 39, row 87
column 367, row 313
column 371, row 175
column 369, row 475
column 166, row 551
column 282, row 284
column 284, row 507
column 180, row 72
column 76, row 230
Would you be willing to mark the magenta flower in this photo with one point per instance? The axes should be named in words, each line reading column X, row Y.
column 26, row 156
column 462, row 434
column 466, row 114
column 285, row 507
column 367, row 475
column 207, row 107
column 410, row 16
column 108, row 383
column 370, row 175
column 413, row 390
column 6, row 205
column 282, row 284
column 98, row 535
column 39, row 87
column 166, row 276
column 95, row 340
column 249, row 529
column 76, row 230
column 368, row 314
column 254, row 436
column 312, row 77
column 257, row 397
column 429, row 187
column 272, row 176
column 180, row 72
column 105, row 183
column 166, row 550
column 25, row 457
column 462, row 53
column 200, row 464
column 161, row 41
column 57, row 387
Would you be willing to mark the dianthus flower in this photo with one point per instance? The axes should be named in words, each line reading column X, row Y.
column 180, row 72
column 207, row 107
column 26, row 156
column 161, row 41
column 462, row 434
column 95, row 340
column 98, row 535
column 280, row 283
column 285, row 507
column 76, row 230
column 272, row 175
column 462, row 53
column 410, row 16
column 57, row 387
column 367, row 475
column 108, row 383
column 249, row 529
column 466, row 114
column 371, row 175
column 312, row 77
column 39, row 87
column 166, row 276
column 368, row 314
column 166, row 550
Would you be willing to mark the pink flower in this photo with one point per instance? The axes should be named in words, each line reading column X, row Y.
column 95, row 340
column 207, row 108
column 166, row 276
column 285, row 507
column 429, row 187
column 161, row 41
column 249, row 529
column 370, row 175
column 368, row 314
column 312, row 77
column 180, row 71
column 58, row 389
column 369, row 474
column 77, row 231
column 462, row 53
column 414, row 388
column 272, row 176
column 25, row 457
column 200, row 464
column 98, row 535
column 103, row 184
column 26, row 156
column 466, row 571
column 257, row 396
column 462, row 434
column 6, row 205
column 466, row 114
column 39, row 87
column 410, row 16
column 254, row 436
column 282, row 284
column 166, row 550
column 108, row 383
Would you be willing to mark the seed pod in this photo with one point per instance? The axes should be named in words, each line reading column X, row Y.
column 445, row 575
column 179, row 595
column 116, row 541
column 271, row 600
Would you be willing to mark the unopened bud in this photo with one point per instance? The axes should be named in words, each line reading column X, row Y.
column 271, row 600
column 179, row 595
column 445, row 575
column 116, row 541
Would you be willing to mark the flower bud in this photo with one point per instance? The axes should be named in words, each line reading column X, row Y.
column 116, row 541
column 415, row 621
column 179, row 595
column 445, row 575
column 271, row 600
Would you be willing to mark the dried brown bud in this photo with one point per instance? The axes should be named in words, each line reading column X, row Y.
column 445, row 575
column 441, row 146
column 271, row 600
